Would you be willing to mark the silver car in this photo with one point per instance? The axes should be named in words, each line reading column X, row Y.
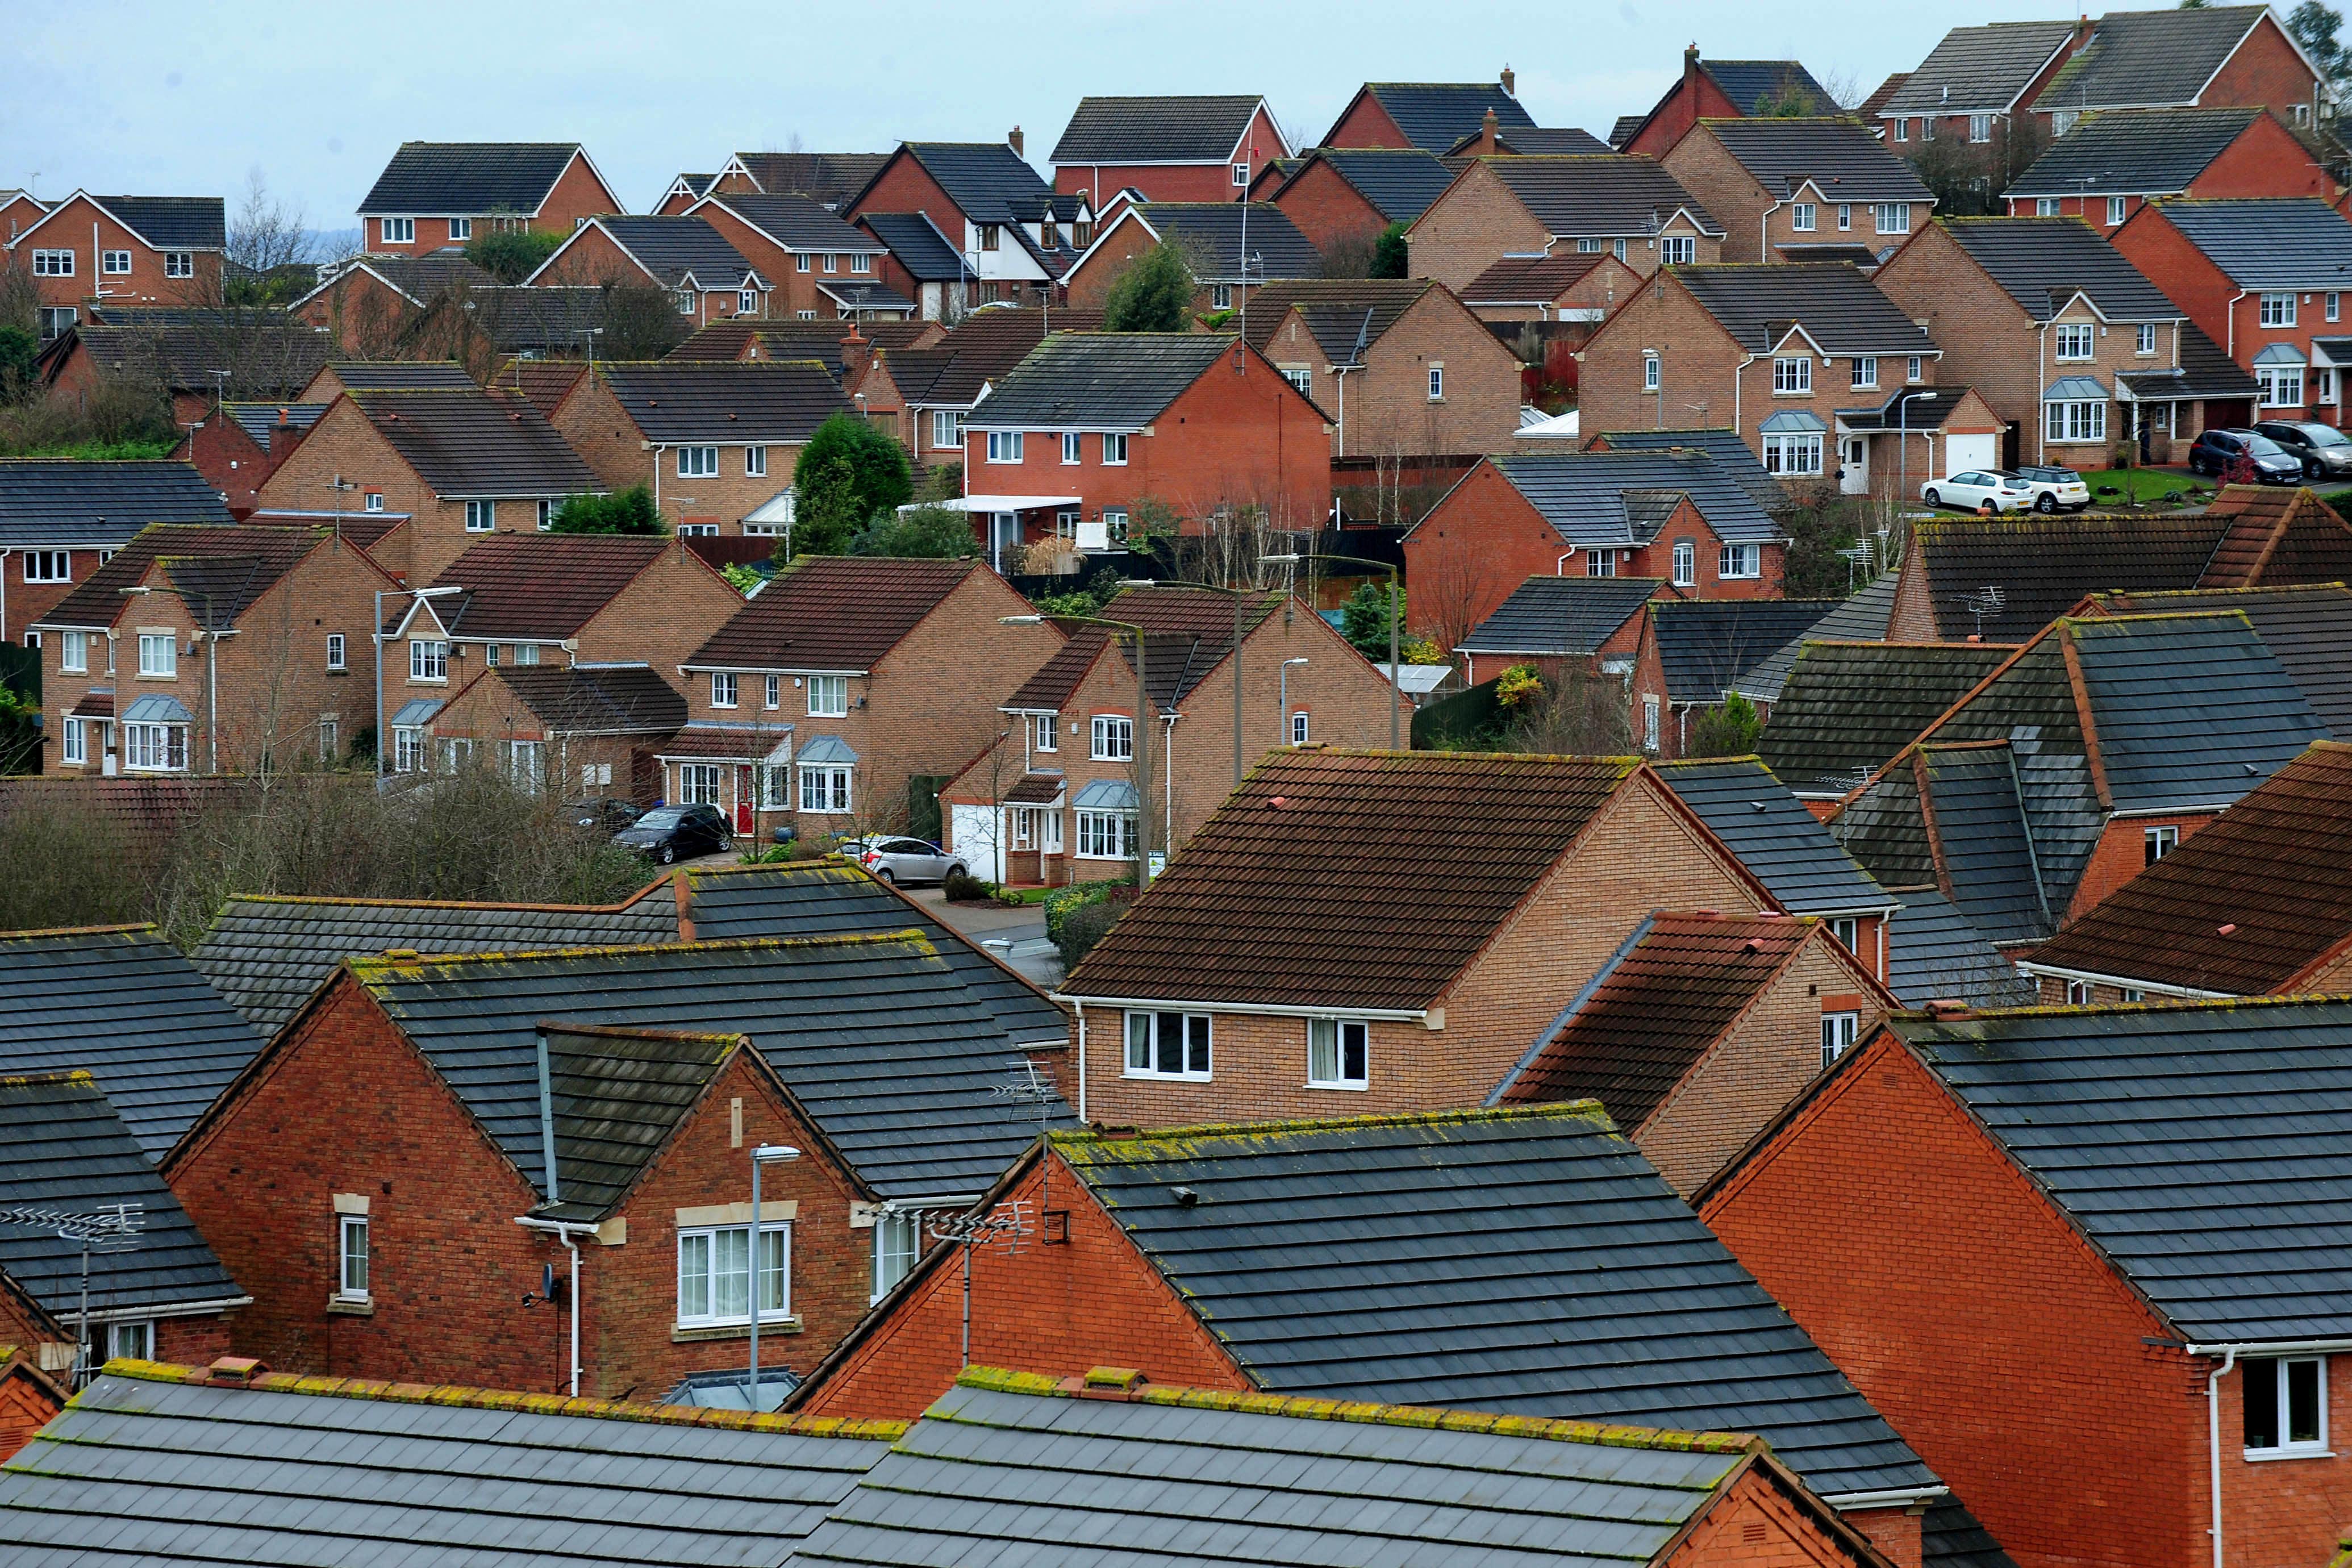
column 1986, row 490
column 896, row 861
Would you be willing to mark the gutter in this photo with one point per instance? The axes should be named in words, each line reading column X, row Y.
column 1431, row 1017
column 1897, row 1496
column 2156, row 987
column 170, row 1309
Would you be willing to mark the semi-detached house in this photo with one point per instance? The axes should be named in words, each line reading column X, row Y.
column 435, row 195
column 89, row 252
column 685, row 258
column 1719, row 90
column 1800, row 190
column 1631, row 208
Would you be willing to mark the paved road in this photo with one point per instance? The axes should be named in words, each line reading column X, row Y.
column 1017, row 936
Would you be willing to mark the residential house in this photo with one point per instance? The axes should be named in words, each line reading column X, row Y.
column 821, row 339
column 844, row 680
column 1425, row 375
column 799, row 248
column 30, row 1393
column 434, row 195
column 715, row 443
column 1348, row 197
column 921, row 263
column 1017, row 235
column 1429, row 115
column 337, row 377
column 1562, row 626
column 2249, row 905
column 1863, row 616
column 588, row 731
column 2067, row 341
column 1974, row 92
column 1172, row 148
column 1704, row 524
column 2168, row 59
column 1845, row 708
column 60, row 519
column 935, row 386
column 1490, row 137
column 1054, row 797
column 1234, row 249
column 2004, row 579
column 18, row 211
column 2129, row 1203
column 685, row 258
column 238, row 446
column 1800, row 190
column 144, row 250
column 1720, row 89
column 1697, row 1030
column 1146, row 1267
column 830, row 178
column 64, row 1149
column 2265, row 281
column 1569, row 286
column 869, row 1055
column 368, row 305
column 446, row 459
column 521, row 602
column 196, row 358
column 1695, row 652
column 205, row 649
column 1091, row 425
column 1630, row 208
column 2116, row 160
column 2305, row 625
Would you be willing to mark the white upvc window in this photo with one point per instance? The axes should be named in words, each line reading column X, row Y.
column 1737, row 561
column 2155, row 842
column 1893, row 217
column 352, row 1257
column 776, row 788
column 773, row 697
column 407, row 749
column 2074, row 421
column 335, row 651
column 1437, row 384
column 1675, row 250
column 698, row 784
column 2075, row 340
column 75, row 747
column 1800, row 216
column 1845, row 216
column 372, row 501
column 1601, row 563
column 946, row 427
column 1220, row 296
column 724, row 684
column 1168, row 1045
column 825, row 789
column 1114, row 447
column 1070, row 442
column 1339, row 1053
column 2286, row 1404
column 73, row 653
column 1793, row 375
column 2277, row 309
column 1114, row 519
column 1241, row 176
column 2145, row 341
column 1590, row 246
column 1915, row 368
column 861, row 262
column 48, row 565
column 1004, row 446
column 714, row 1274
column 828, row 696
column 461, row 228
column 134, row 1340
column 746, row 301
column 481, row 516
column 755, row 462
column 2045, row 206
column 1301, row 378
column 2335, row 306
column 1650, row 372
column 685, row 300
column 1865, row 371
column 1979, row 127
column 898, row 1243
column 428, row 659
column 1799, row 454
column 1903, row 128
column 53, row 264
column 1685, row 563
column 697, row 462
column 2115, row 206
column 1301, row 727
column 115, row 263
column 833, row 262
column 156, row 748
column 527, row 766
column 1046, row 732
column 158, row 654
column 1838, row 1030
column 526, row 653
column 397, row 230
column 801, row 261
column 2281, row 385
column 1105, row 835
column 1114, row 738
column 1650, row 723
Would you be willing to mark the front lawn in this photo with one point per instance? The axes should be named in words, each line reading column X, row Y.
column 2146, row 487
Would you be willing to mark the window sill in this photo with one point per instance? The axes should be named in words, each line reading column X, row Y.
column 144, row 676
column 2272, row 1456
column 1777, row 393
column 681, row 1334
column 1166, row 1076
column 349, row 1306
column 1341, row 1088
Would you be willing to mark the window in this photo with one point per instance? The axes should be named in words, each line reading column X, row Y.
column 397, row 230
column 1649, row 723
column 1848, row 932
column 1299, row 376
column 861, row 262
column 461, row 228
column 158, row 748
column 1799, row 454
column 828, row 696
column 335, row 651
column 801, row 263
column 1617, row 248
column 2074, row 340
column 1837, row 1035
column 2078, row 993
column 2045, row 206
column 698, row 784
column 56, row 318
column 1865, row 371
column 773, row 696
column 115, row 263
column 947, row 428
column 714, row 1274
column 1004, row 446
column 2287, row 1404
column 351, row 1255
column 1793, row 375
column 755, row 462
column 2278, row 310
column 2074, row 421
column 1675, row 250
column 1437, row 384
column 526, row 653
column 2147, row 341
column 1220, row 296
column 1893, row 217
column 1166, row 1045
column 1649, row 373
column 407, row 749
column 1800, row 216
column 898, row 1243
column 331, row 739
column 988, row 237
column 1590, row 246
column 130, row 1341
column 53, row 264
column 2132, row 994
column 1114, row 738
column 481, row 516
column 546, row 516
column 1066, row 523
column 697, row 462
column 48, row 567
column 1114, row 448
column 1082, row 234
column 1298, row 726
column 776, row 788
column 722, row 688
column 372, row 501
column 76, row 748
column 1601, row 563
column 1903, row 128
column 1915, row 368
column 746, row 301
column 824, row 789
column 527, row 766
column 73, row 653
column 1685, row 563
column 2114, row 211
column 1046, row 731
column 428, row 661
column 1337, row 1053
column 832, row 261
column 158, row 654
column 1115, row 522
column 1240, row 174
column 2155, row 842
column 2281, row 385
column 1104, row 835
column 1979, row 127
column 1070, row 439
column 1743, row 560
column 2334, row 304
column 1845, row 216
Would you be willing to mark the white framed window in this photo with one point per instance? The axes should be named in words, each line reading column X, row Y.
column 1114, row 448
column 2155, row 842
column 158, row 654
column 2115, row 210
column 53, row 264
column 1837, row 1035
column 723, row 686
column 1601, row 563
column 397, row 230
column 1220, row 296
column 946, row 427
column 74, row 745
column 1979, row 127
column 1590, row 247
column 1845, row 216
column 156, row 748
column 1241, row 176
column 1105, row 835
column 2078, row 993
column 1865, row 371
column 1794, row 375
column 2286, row 1404
column 2145, row 341
column 2082, row 421
column 527, row 766
column 861, row 262
column 526, row 653
column 1299, row 724
column 73, row 653
column 1799, row 454
column 1915, row 369
column 746, row 301
column 1114, row 738
column 352, row 1257
column 372, row 501
column 2281, row 385
column 1800, row 216
column 490, row 655
column 407, row 749
column 1004, row 446
column 1741, row 560
column 828, row 696
column 1847, row 932
column 824, row 789
column 755, row 462
column 1339, row 1053
column 1437, row 384
column 1070, row 442
column 2277, row 309
column 776, row 788
column 132, row 1341
column 335, row 651
column 697, row 462
column 2303, row 114
column 546, row 509
column 1649, row 373
column 481, row 516
column 1685, row 563
column 331, row 739
column 1903, row 128
column 48, row 565
column 832, row 261
column 714, row 1274
column 698, row 784
column 1046, row 732
column 1299, row 376
column 115, row 263
column 1115, row 522
column 773, row 697
column 898, row 1243
column 1168, row 1045
column 1650, row 717
column 2075, row 340
column 2333, row 305
column 1891, row 218
column 461, row 228
column 1675, row 250
column 428, row 661
column 2133, row 994
column 2045, row 206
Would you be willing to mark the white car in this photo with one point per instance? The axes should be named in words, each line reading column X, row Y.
column 1988, row 491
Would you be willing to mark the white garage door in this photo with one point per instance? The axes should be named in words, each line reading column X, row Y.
column 971, row 838
column 1962, row 453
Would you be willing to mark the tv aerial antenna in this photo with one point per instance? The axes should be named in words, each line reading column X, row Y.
column 108, row 1228
column 1986, row 601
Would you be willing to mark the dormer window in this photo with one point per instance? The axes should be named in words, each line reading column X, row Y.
column 1049, row 234
column 2075, row 340
column 1082, row 234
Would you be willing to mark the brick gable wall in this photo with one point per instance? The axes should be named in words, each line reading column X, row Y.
column 1388, row 408
column 1756, row 1524
column 1474, row 224
column 666, row 611
column 2264, row 70
column 612, row 445
column 1088, row 284
column 1366, row 124
column 25, row 1408
column 1719, row 182
column 794, row 291
column 1695, row 98
column 1325, row 209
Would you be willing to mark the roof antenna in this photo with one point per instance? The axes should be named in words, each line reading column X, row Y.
column 1985, row 601
column 112, row 1227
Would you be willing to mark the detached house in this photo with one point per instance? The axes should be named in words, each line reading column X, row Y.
column 1351, row 195
column 1431, row 116
column 60, row 519
column 1423, row 374
column 196, row 357
column 1974, row 91
column 1720, row 89
column 922, row 263
column 1800, row 190
column 370, row 305
column 1015, row 234
column 433, row 195
column 1204, row 149
column 1561, row 625
column 801, row 250
column 142, row 250
column 2115, row 162
column 1695, row 652
column 1234, row 249
column 2185, row 58
column 934, row 388
column 1630, row 208
column 682, row 256
column 829, row 178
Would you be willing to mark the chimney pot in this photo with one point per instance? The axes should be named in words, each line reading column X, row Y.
column 1014, row 140
column 1948, row 1008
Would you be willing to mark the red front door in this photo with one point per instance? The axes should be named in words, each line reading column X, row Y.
column 743, row 798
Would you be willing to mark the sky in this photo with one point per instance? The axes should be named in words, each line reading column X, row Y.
column 188, row 99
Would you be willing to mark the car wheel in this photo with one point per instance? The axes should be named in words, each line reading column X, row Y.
column 670, row 854
column 1931, row 497
column 1989, row 508
column 2045, row 501
column 953, row 872
column 883, row 874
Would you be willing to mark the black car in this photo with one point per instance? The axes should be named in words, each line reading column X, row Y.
column 674, row 833
column 2325, row 452
column 2216, row 449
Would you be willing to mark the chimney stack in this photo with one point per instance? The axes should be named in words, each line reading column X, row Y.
column 855, row 351
column 1488, row 129
column 1510, row 84
column 1013, row 141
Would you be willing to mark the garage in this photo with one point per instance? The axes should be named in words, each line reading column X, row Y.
column 1962, row 453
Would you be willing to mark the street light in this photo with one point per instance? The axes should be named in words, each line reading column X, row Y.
column 1142, row 729
column 1902, row 443
column 763, row 1154
column 1289, row 734
column 377, row 632
column 1396, row 701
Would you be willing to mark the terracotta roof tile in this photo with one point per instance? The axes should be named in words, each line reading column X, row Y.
column 832, row 612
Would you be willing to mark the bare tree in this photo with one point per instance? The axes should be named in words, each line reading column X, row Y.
column 269, row 232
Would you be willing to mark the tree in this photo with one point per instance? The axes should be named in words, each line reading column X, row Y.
column 1580, row 714
column 1350, row 255
column 2314, row 26
column 631, row 510
column 1364, row 619
column 1390, row 257
column 18, row 349
column 826, row 515
column 1154, row 294
column 848, row 474
column 926, row 532
column 512, row 255
column 1728, row 730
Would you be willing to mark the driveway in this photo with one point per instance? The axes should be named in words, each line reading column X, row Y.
column 1016, row 936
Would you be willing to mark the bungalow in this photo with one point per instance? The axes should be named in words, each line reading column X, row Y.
column 1431, row 116
column 1338, row 195
column 1015, row 234
column 1235, row 250
column 1199, row 149
column 144, row 250
column 685, row 258
column 2116, row 160
column 1800, row 190
column 1630, row 208
column 59, row 520
column 433, row 195
column 1424, row 375
column 1720, row 89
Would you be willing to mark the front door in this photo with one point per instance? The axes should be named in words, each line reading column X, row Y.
column 1004, row 533
column 743, row 799
column 1854, row 471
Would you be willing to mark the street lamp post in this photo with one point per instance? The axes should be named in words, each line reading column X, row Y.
column 1288, row 733
column 376, row 632
column 1902, row 444
column 1142, row 732
column 763, row 1154
column 1396, row 700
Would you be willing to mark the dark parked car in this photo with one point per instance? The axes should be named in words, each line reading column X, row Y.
column 2216, row 449
column 2326, row 451
column 607, row 811
column 674, row 833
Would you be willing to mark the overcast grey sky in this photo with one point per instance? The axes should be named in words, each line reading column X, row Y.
column 184, row 99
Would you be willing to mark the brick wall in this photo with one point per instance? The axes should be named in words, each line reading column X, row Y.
column 81, row 226
column 1324, row 208
column 343, row 443
column 666, row 611
column 577, row 194
column 2120, row 855
column 1158, row 181
column 1088, row 287
column 794, row 291
column 1695, row 98
column 487, row 713
column 1366, row 124
column 1722, row 184
column 2265, row 69
column 1758, row 1524
column 25, row 1408
column 2150, row 242
column 23, row 602
column 1474, row 223
column 1386, row 406
column 230, row 460
column 609, row 442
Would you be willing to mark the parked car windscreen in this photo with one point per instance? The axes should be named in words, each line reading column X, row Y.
column 662, row 816
column 2264, row 446
column 2324, row 436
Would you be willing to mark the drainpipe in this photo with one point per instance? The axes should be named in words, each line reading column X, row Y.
column 1082, row 1063
column 2230, row 346
column 2041, row 406
column 1738, row 372
column 4, row 590
column 2213, row 1438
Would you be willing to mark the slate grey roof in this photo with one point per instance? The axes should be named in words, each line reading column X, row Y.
column 916, row 243
column 1602, row 197
column 2043, row 262
column 1158, row 130
column 469, row 443
column 1621, row 130
column 1751, row 83
column 1731, row 452
column 1841, row 158
column 1784, row 846
column 1210, row 234
column 258, row 419
column 1433, row 115
column 778, row 401
column 2307, row 629
column 124, row 1006
column 674, row 249
column 1863, row 618
column 863, row 295
column 795, row 222
column 1560, row 616
column 55, row 501
column 141, row 1469
column 172, row 223
column 1539, row 141
column 1098, row 381
column 1707, row 646
column 1583, row 494
column 265, row 352
column 1844, row 708
column 1003, row 1462
column 1841, row 309
column 466, row 179
column 1980, row 69
column 63, row 1146
column 2299, row 243
column 2141, row 59
column 830, row 177
column 615, row 1097
column 1934, row 954
column 2134, row 151
column 988, row 181
column 2199, row 1148
column 1399, row 182
column 1368, row 1260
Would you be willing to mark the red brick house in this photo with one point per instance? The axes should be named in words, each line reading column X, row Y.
column 1975, row 89
column 1561, row 623
column 2072, row 1221
column 2114, row 162
column 800, row 248
column 1720, row 89
column 1498, row 207
column 198, row 357
column 1567, row 288
column 30, row 1395
column 924, row 390
column 1695, row 652
column 1090, row 424
column 1199, row 149
column 831, row 178
column 19, row 210
column 685, row 258
column 434, row 195
column 60, row 519
column 1429, row 115
column 1815, row 189
column 586, row 730
column 89, row 252
column 1235, row 250
column 2195, row 58
column 1336, row 194
column 1399, row 363
column 368, row 305
column 1016, row 236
